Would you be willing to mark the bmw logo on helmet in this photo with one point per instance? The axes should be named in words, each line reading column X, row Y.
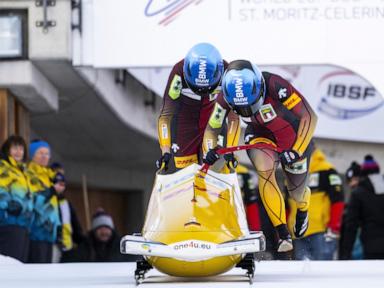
column 203, row 68
column 244, row 87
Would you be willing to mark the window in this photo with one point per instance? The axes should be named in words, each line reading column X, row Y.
column 13, row 34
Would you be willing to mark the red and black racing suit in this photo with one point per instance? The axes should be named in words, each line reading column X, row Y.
column 183, row 119
column 285, row 120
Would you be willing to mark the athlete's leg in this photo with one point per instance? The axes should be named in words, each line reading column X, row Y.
column 265, row 162
column 296, row 176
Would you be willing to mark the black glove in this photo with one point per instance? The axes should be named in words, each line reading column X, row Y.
column 14, row 208
column 288, row 157
column 163, row 162
column 231, row 160
column 212, row 156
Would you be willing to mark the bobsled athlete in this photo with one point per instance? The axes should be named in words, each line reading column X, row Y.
column 193, row 86
column 277, row 114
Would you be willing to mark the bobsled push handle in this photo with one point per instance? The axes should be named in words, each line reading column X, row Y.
column 226, row 150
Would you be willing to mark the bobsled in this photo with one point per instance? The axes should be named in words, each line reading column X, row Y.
column 195, row 225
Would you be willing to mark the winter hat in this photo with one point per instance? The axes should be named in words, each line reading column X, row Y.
column 36, row 145
column 102, row 218
column 353, row 171
column 369, row 166
column 59, row 177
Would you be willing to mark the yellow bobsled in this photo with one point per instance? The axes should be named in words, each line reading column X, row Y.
column 195, row 226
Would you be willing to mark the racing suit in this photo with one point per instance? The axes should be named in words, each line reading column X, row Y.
column 183, row 119
column 286, row 121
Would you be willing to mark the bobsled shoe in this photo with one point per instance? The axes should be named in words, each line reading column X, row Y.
column 285, row 240
column 285, row 245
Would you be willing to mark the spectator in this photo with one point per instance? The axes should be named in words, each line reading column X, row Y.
column 16, row 202
column 102, row 243
column 46, row 213
column 365, row 211
column 325, row 212
column 70, row 231
column 352, row 179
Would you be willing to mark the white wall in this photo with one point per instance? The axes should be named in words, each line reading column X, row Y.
column 56, row 42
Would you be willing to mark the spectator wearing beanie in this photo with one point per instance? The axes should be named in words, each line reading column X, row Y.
column 102, row 243
column 369, row 166
column 365, row 211
column 16, row 202
column 46, row 219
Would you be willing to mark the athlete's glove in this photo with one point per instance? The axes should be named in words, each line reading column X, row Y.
column 288, row 157
column 163, row 162
column 212, row 156
column 231, row 160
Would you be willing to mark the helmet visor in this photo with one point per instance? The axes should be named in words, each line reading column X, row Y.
column 202, row 90
column 248, row 110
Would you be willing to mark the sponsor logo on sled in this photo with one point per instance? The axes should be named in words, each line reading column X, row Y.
column 145, row 246
column 345, row 95
column 192, row 245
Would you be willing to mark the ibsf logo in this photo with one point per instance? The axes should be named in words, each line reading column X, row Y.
column 201, row 79
column 168, row 9
column 239, row 92
column 345, row 95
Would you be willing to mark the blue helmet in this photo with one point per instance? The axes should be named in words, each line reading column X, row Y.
column 203, row 68
column 243, row 87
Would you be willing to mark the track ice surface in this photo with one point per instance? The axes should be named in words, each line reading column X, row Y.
column 281, row 274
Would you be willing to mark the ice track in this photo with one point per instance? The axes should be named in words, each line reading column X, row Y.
column 279, row 274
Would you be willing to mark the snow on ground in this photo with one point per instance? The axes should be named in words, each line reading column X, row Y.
column 8, row 260
column 279, row 274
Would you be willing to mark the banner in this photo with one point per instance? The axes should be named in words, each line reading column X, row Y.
column 158, row 33
column 348, row 107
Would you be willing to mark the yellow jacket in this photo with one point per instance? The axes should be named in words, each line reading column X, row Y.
column 46, row 212
column 16, row 202
column 326, row 190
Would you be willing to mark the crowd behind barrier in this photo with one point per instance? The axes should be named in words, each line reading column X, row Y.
column 37, row 223
column 36, row 219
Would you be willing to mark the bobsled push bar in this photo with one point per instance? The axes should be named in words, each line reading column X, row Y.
column 193, row 250
column 222, row 151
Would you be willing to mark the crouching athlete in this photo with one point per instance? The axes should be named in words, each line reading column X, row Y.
column 189, row 98
column 277, row 114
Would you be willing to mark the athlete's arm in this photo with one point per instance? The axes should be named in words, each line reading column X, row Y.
column 308, row 121
column 215, row 125
column 233, row 130
column 171, row 101
column 296, row 103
